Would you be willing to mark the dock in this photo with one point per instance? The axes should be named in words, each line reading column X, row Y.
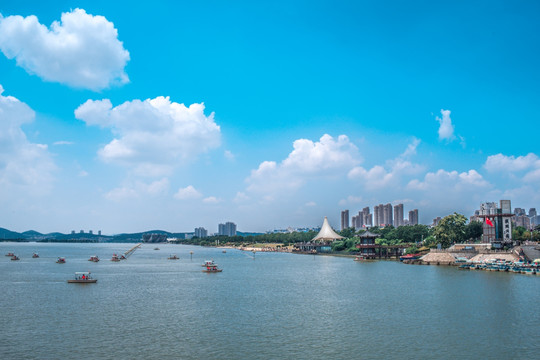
column 132, row 250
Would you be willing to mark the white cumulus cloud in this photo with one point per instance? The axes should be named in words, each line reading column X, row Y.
column 446, row 129
column 187, row 193
column 389, row 174
column 307, row 160
column 138, row 189
column 152, row 136
column 25, row 167
column 503, row 163
column 81, row 50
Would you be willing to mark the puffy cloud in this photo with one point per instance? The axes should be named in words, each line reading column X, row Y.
column 187, row 193
column 307, row 160
column 152, row 136
column 25, row 167
column 379, row 176
column 446, row 129
column 211, row 200
column 444, row 181
column 81, row 50
column 138, row 189
column 502, row 163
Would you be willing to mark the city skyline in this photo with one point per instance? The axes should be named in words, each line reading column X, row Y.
column 273, row 115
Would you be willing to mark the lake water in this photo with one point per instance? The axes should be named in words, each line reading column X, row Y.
column 263, row 306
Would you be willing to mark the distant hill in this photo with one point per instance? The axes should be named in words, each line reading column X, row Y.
column 32, row 235
column 6, row 234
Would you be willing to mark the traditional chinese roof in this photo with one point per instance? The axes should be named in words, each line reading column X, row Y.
column 326, row 232
column 369, row 235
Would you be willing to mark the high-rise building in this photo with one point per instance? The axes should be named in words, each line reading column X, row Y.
column 367, row 218
column 523, row 221
column 378, row 213
column 388, row 218
column 227, row 229
column 344, row 219
column 413, row 217
column 532, row 212
column 398, row 215
column 200, row 232
column 358, row 221
column 519, row 212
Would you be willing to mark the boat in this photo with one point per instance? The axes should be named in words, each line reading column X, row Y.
column 10, row 254
column 115, row 257
column 212, row 268
column 122, row 257
column 35, row 255
column 173, row 257
column 82, row 277
column 156, row 248
column 61, row 260
column 359, row 258
column 207, row 263
column 224, row 251
column 94, row 258
column 410, row 257
column 15, row 257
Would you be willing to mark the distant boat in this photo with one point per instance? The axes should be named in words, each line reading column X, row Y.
column 10, row 254
column 208, row 263
column 173, row 257
column 156, row 248
column 212, row 268
column 35, row 255
column 61, row 260
column 82, row 277
column 115, row 258
column 359, row 258
column 224, row 251
column 94, row 258
column 15, row 257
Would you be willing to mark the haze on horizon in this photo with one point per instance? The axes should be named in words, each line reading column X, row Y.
column 265, row 114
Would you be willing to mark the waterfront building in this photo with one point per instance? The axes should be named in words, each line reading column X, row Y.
column 200, row 232
column 366, row 245
column 398, row 215
column 344, row 219
column 322, row 242
column 497, row 223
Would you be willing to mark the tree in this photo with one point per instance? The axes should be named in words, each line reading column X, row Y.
column 347, row 232
column 474, row 230
column 450, row 230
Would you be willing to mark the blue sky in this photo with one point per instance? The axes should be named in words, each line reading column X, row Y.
column 293, row 111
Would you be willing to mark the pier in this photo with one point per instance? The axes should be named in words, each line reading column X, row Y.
column 132, row 250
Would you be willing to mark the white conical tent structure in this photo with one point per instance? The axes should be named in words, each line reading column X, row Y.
column 326, row 233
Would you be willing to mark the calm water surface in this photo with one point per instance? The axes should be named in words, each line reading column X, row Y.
column 266, row 306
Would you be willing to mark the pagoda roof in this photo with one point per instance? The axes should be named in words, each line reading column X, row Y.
column 327, row 233
column 368, row 234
